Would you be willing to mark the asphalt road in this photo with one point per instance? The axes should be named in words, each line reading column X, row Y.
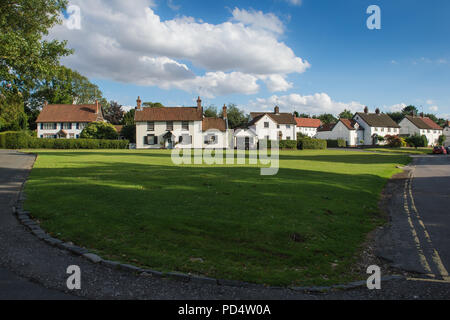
column 31, row 269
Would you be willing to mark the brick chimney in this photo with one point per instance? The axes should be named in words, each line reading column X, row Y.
column 277, row 110
column 199, row 103
column 224, row 113
column 422, row 115
column 366, row 110
column 138, row 103
column 97, row 109
column 377, row 111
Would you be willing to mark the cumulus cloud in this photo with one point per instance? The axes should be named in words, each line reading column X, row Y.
column 313, row 104
column 127, row 41
column 397, row 107
column 434, row 108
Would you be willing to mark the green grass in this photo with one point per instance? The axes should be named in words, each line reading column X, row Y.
column 402, row 150
column 226, row 222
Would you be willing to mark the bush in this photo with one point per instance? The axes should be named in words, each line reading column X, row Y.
column 21, row 140
column 339, row 143
column 441, row 140
column 99, row 130
column 395, row 142
column 288, row 144
column 417, row 141
column 312, row 144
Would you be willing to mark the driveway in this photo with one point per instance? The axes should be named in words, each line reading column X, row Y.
column 31, row 269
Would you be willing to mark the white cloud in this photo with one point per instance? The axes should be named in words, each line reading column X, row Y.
column 434, row 108
column 295, row 2
column 258, row 19
column 126, row 41
column 313, row 104
column 173, row 6
column 397, row 107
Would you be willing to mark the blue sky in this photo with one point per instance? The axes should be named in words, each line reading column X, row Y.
column 343, row 63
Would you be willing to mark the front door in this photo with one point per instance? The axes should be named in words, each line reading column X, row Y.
column 169, row 144
column 247, row 143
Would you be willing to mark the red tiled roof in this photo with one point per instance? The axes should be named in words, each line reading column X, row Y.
column 350, row 124
column 169, row 114
column 433, row 125
column 54, row 113
column 308, row 122
column 326, row 127
column 424, row 123
column 214, row 123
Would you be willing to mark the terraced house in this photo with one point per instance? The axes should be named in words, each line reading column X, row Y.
column 273, row 126
column 181, row 128
column 421, row 125
column 67, row 121
column 308, row 126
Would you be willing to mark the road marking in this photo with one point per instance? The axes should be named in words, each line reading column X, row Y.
column 428, row 280
column 422, row 258
column 435, row 256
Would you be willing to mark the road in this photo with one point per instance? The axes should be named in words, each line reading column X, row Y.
column 31, row 269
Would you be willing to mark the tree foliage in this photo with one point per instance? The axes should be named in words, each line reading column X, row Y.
column 210, row 112
column 327, row 118
column 12, row 113
column 236, row 117
column 114, row 113
column 152, row 105
column 99, row 130
column 346, row 114
column 128, row 118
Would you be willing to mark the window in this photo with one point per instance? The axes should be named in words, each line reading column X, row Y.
column 48, row 126
column 78, row 136
column 211, row 139
column 185, row 139
column 151, row 140
column 288, row 126
column 266, row 125
column 81, row 126
column 288, row 138
column 278, row 126
column 185, row 125
column 150, row 126
column 169, row 125
column 67, row 126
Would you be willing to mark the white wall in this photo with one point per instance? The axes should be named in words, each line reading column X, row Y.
column 74, row 131
column 310, row 132
column 370, row 131
column 273, row 131
column 408, row 128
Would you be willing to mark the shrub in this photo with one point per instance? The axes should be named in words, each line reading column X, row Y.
column 417, row 141
column 312, row 144
column 395, row 142
column 288, row 144
column 441, row 140
column 99, row 130
column 339, row 143
column 21, row 140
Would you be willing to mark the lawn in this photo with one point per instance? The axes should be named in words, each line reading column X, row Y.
column 303, row 226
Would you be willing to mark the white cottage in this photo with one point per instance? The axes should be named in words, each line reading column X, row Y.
column 273, row 126
column 421, row 125
column 348, row 130
column 308, row 126
column 375, row 125
column 67, row 121
column 447, row 133
column 180, row 127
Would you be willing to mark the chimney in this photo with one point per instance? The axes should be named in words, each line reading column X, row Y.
column 366, row 110
column 277, row 110
column 224, row 113
column 422, row 115
column 199, row 103
column 138, row 103
column 377, row 111
column 97, row 107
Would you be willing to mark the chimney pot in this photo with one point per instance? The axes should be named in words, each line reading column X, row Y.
column 199, row 102
column 422, row 115
column 225, row 113
column 139, row 101
column 277, row 110
column 366, row 110
column 97, row 107
column 377, row 111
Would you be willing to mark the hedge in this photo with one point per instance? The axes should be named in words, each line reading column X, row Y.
column 21, row 140
column 339, row 143
column 312, row 144
column 288, row 144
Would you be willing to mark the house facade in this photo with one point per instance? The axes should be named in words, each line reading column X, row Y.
column 180, row 127
column 273, row 126
column 375, row 125
column 61, row 121
column 348, row 130
column 447, row 133
column 421, row 125
column 308, row 126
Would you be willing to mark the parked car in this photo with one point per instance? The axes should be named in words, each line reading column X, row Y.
column 448, row 149
column 439, row 150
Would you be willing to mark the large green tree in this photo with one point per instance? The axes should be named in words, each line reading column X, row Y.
column 12, row 113
column 236, row 117
column 346, row 114
column 25, row 57
column 210, row 112
column 327, row 118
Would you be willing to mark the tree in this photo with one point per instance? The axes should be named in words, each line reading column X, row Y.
column 442, row 139
column 99, row 130
column 128, row 118
column 210, row 112
column 346, row 114
column 25, row 58
column 12, row 113
column 410, row 110
column 396, row 116
column 304, row 115
column 129, row 133
column 152, row 105
column 236, row 117
column 296, row 114
column 114, row 113
column 327, row 118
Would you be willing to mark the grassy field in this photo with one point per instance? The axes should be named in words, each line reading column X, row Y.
column 303, row 226
column 403, row 150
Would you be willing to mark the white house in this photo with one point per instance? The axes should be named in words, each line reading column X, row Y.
column 67, row 121
column 375, row 125
column 421, row 125
column 447, row 133
column 245, row 139
column 348, row 130
column 273, row 126
column 308, row 126
column 180, row 127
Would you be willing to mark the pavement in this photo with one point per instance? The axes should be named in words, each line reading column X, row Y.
column 31, row 269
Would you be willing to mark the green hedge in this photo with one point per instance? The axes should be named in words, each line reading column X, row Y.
column 339, row 143
column 288, row 144
column 21, row 140
column 312, row 144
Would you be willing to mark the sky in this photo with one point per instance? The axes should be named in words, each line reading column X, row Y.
column 312, row 56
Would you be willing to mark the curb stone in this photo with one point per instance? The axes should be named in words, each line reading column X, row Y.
column 25, row 218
